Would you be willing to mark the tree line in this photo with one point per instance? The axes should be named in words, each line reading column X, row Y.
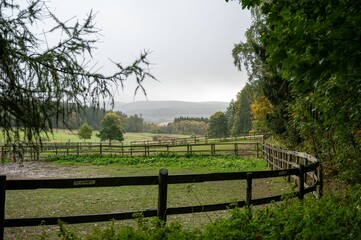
column 134, row 123
column 303, row 62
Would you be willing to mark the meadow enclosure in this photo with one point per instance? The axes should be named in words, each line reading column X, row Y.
column 309, row 179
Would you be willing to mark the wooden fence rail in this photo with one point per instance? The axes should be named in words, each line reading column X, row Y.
column 198, row 139
column 280, row 159
column 163, row 180
column 220, row 148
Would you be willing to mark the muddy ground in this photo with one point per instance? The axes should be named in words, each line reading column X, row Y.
column 32, row 170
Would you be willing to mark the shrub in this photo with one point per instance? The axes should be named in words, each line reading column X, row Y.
column 332, row 217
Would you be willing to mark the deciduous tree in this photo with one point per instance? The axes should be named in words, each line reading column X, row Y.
column 218, row 125
column 111, row 128
column 85, row 131
column 260, row 109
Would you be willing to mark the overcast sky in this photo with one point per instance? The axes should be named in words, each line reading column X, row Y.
column 191, row 43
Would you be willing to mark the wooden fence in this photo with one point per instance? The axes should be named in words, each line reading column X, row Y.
column 220, row 148
column 282, row 159
column 198, row 139
column 272, row 155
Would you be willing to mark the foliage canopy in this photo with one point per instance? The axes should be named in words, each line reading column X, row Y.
column 111, row 128
column 218, row 125
column 85, row 131
column 306, row 56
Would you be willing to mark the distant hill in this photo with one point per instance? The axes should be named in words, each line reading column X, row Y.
column 166, row 111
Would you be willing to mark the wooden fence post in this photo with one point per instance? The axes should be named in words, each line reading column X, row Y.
column 146, row 150
column 257, row 147
column 213, row 149
column 236, row 149
column 288, row 166
column 101, row 148
column 2, row 205
column 301, row 182
column 249, row 189
column 14, row 152
column 320, row 181
column 78, row 149
column 37, row 154
column 264, row 152
column 162, row 195
column 122, row 149
column 271, row 159
column 2, row 154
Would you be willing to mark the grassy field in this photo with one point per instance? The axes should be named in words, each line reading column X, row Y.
column 64, row 135
column 54, row 202
column 61, row 135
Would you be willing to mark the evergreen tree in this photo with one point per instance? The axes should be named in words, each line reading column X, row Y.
column 242, row 118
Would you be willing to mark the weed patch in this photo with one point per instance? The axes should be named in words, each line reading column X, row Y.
column 214, row 163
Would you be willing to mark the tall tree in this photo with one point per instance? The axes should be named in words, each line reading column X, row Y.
column 230, row 111
column 40, row 81
column 218, row 125
column 134, row 123
column 242, row 118
column 111, row 128
column 190, row 127
column 260, row 109
column 267, row 82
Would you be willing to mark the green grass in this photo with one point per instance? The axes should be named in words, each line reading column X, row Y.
column 60, row 202
column 130, row 137
column 65, row 135
column 194, row 162
column 62, row 135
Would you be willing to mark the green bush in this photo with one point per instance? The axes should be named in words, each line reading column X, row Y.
column 332, row 217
